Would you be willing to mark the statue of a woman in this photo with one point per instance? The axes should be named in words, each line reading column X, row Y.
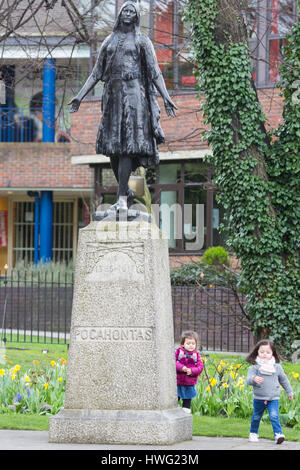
column 129, row 132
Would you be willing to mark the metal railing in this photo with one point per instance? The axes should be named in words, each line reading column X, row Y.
column 24, row 125
column 217, row 313
column 37, row 308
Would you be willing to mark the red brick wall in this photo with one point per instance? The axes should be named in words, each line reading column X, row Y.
column 182, row 132
column 46, row 165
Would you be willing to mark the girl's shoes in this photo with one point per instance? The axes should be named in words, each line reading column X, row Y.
column 279, row 438
column 187, row 410
column 253, row 437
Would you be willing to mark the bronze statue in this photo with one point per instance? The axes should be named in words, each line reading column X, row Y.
column 129, row 132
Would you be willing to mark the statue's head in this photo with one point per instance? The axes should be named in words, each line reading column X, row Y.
column 129, row 13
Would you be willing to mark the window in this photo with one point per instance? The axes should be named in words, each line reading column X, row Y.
column 182, row 197
column 281, row 16
column 268, row 21
column 23, row 233
column 62, row 231
column 171, row 42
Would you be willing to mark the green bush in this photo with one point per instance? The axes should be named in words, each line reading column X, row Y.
column 206, row 271
column 216, row 255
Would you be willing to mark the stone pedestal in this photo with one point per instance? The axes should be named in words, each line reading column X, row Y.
column 121, row 379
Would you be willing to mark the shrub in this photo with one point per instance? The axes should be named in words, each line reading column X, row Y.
column 205, row 273
column 216, row 255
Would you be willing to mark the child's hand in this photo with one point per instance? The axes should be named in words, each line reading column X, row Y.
column 291, row 397
column 258, row 379
column 187, row 370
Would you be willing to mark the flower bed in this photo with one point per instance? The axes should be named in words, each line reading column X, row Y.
column 221, row 390
column 38, row 390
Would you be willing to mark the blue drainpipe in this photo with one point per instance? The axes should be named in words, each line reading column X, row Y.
column 46, row 228
column 49, row 100
column 46, row 205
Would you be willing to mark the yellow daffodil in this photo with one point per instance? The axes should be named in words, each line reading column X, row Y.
column 52, row 363
column 27, row 379
column 2, row 371
column 46, row 385
column 16, row 368
column 212, row 382
column 13, row 376
column 60, row 379
column 63, row 361
column 36, row 362
column 242, row 387
column 208, row 388
column 295, row 375
column 225, row 385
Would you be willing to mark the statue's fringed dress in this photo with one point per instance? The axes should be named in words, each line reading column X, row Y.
column 130, row 121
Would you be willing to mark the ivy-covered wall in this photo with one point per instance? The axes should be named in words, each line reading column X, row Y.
column 257, row 172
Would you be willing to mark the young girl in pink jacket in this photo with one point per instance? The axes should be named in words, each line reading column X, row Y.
column 188, row 368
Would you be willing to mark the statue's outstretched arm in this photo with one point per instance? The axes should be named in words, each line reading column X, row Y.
column 92, row 80
column 155, row 75
column 161, row 87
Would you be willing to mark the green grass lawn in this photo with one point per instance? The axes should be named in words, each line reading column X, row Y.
column 28, row 422
column 235, row 427
column 202, row 426
column 24, row 353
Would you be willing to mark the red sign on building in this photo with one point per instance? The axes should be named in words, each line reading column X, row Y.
column 3, row 228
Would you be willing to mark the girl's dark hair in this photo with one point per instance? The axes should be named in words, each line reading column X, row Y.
column 254, row 353
column 190, row 334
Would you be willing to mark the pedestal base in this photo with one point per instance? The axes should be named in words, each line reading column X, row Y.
column 121, row 373
column 153, row 427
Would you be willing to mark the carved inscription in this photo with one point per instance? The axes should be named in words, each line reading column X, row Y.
column 118, row 334
column 116, row 262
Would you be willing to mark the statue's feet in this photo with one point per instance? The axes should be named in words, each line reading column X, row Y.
column 124, row 202
column 130, row 197
column 120, row 205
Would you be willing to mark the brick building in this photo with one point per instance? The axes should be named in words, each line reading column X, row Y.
column 68, row 168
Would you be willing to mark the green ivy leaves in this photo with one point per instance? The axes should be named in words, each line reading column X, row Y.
column 257, row 173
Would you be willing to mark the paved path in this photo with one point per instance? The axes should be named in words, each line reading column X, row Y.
column 38, row 440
